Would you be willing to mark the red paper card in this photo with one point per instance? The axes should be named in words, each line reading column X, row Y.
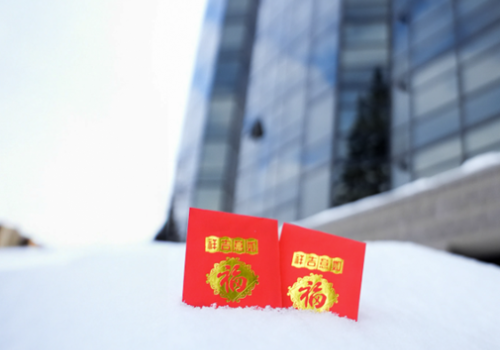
column 320, row 271
column 231, row 260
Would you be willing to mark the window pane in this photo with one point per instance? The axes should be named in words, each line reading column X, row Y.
column 427, row 49
column 314, row 196
column 435, row 20
column 318, row 153
column 478, row 45
column 323, row 62
column 436, row 67
column 400, row 139
column 436, row 154
column 362, row 34
column 208, row 198
column 220, row 115
column 369, row 57
column 214, row 158
column 482, row 106
column 233, row 36
column 400, row 106
column 465, row 6
column 435, row 127
column 320, row 119
column 347, row 118
column 483, row 138
column 482, row 71
column 438, row 94
column 238, row 6
column 478, row 20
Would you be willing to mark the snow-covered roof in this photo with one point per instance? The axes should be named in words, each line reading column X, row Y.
column 130, row 298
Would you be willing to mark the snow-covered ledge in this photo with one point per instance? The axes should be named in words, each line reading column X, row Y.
column 456, row 209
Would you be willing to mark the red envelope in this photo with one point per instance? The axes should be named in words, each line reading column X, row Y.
column 231, row 260
column 320, row 271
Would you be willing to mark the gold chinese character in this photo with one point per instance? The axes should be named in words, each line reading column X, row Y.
column 238, row 245
column 337, row 265
column 298, row 259
column 252, row 246
column 225, row 245
column 313, row 293
column 212, row 244
column 312, row 261
column 232, row 279
column 324, row 263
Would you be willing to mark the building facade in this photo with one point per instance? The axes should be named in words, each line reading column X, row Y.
column 301, row 105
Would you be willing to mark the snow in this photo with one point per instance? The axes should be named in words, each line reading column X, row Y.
column 130, row 298
column 470, row 167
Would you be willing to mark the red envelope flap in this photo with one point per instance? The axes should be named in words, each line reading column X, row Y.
column 231, row 260
column 320, row 271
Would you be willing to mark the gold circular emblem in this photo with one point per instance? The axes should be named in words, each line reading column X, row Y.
column 232, row 279
column 313, row 293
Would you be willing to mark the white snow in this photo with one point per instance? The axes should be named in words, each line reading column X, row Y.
column 470, row 167
column 130, row 298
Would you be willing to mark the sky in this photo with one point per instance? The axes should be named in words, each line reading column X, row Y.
column 92, row 96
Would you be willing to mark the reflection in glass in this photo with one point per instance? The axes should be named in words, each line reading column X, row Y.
column 435, row 127
column 315, row 196
column 483, row 138
column 483, row 106
column 320, row 119
column 482, row 71
column 442, row 152
column 441, row 92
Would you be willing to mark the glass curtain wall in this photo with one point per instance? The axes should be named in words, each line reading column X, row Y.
column 446, row 84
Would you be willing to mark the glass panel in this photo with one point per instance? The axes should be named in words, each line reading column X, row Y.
column 355, row 13
column 400, row 139
column 478, row 20
column 288, row 161
column 369, row 57
column 435, row 20
column 288, row 191
column 482, row 71
column 287, row 213
column 400, row 35
column 400, row 106
column 326, row 14
column 214, row 156
column 438, row 94
column 220, row 115
column 347, row 119
column 366, row 33
column 235, row 7
column 208, row 198
column 483, row 106
column 233, row 36
column 356, row 77
column 400, row 173
column 425, row 50
column 318, row 153
column 465, row 6
column 227, row 74
column 323, row 62
column 478, row 45
column 483, row 138
column 435, row 127
column 438, row 168
column 320, row 119
column 436, row 67
column 436, row 154
column 315, row 194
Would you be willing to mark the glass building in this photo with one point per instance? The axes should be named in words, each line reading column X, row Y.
column 301, row 105
column 446, row 84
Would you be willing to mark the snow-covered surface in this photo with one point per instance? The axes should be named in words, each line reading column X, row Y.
column 130, row 298
column 472, row 166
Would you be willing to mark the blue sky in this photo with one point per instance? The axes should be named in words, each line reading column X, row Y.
column 92, row 96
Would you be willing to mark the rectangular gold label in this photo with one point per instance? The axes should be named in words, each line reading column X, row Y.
column 314, row 262
column 214, row 244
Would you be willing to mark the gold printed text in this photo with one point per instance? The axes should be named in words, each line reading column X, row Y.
column 317, row 262
column 214, row 244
